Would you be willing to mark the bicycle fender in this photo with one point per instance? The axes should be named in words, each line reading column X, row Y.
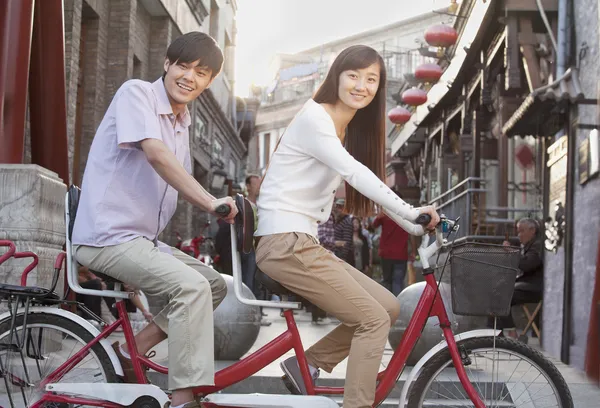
column 79, row 321
column 434, row 350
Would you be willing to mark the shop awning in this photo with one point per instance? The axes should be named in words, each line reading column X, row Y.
column 540, row 113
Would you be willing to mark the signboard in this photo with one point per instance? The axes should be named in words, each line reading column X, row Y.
column 584, row 161
column 557, row 162
column 588, row 157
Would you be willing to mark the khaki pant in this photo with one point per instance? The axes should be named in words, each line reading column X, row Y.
column 365, row 308
column 192, row 291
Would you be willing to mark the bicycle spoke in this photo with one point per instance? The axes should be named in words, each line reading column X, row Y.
column 501, row 377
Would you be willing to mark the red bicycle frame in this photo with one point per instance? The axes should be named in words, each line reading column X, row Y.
column 430, row 304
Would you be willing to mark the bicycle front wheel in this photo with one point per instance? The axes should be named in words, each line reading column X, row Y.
column 511, row 374
column 48, row 342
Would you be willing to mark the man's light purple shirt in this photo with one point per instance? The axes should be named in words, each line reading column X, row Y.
column 122, row 196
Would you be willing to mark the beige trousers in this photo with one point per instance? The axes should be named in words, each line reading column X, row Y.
column 191, row 290
column 365, row 308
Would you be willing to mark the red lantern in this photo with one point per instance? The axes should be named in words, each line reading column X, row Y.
column 399, row 115
column 414, row 97
column 441, row 35
column 428, row 73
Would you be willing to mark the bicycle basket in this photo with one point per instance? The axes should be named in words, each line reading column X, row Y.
column 483, row 279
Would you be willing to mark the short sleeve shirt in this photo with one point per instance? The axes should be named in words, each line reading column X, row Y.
column 122, row 196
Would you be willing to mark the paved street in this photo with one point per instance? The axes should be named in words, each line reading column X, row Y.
column 585, row 394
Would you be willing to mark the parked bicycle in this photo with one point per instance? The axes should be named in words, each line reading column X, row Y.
column 50, row 357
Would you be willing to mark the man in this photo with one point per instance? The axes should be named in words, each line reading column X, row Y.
column 249, row 260
column 393, row 251
column 343, row 230
column 529, row 285
column 326, row 232
column 138, row 163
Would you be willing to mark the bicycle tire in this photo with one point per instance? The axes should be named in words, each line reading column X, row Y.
column 443, row 356
column 70, row 326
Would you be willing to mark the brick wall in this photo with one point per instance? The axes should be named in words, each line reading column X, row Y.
column 112, row 33
column 161, row 32
column 72, row 16
column 121, row 28
column 141, row 40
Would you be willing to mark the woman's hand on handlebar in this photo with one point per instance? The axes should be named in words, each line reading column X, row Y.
column 433, row 215
column 224, row 201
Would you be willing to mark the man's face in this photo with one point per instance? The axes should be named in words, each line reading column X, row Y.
column 253, row 186
column 525, row 232
column 337, row 210
column 184, row 82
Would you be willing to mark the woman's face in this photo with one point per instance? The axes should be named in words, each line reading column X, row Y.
column 358, row 87
column 356, row 224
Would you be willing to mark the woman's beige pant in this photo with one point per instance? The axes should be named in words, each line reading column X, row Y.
column 191, row 290
column 365, row 308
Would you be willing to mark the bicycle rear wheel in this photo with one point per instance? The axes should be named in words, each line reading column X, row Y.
column 50, row 340
column 510, row 375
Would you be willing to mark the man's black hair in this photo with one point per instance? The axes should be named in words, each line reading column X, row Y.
column 194, row 46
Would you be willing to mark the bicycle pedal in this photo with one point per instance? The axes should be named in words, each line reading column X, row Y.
column 289, row 385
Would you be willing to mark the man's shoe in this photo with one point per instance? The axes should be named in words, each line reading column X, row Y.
column 128, row 371
column 294, row 376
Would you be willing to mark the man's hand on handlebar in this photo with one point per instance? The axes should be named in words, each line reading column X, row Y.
column 224, row 201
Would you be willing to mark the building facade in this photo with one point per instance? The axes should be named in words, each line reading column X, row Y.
column 107, row 42
column 508, row 132
column 299, row 76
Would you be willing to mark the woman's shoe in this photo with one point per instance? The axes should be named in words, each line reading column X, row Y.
column 292, row 374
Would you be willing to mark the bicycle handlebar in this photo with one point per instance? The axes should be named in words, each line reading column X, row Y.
column 423, row 219
column 223, row 210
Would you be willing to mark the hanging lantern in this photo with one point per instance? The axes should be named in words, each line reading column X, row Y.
column 399, row 115
column 414, row 97
column 428, row 72
column 441, row 35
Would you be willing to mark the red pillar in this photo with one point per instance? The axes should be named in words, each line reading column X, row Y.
column 15, row 46
column 47, row 91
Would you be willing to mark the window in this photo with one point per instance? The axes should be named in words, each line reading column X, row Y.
column 266, row 149
column 214, row 20
column 232, row 168
column 200, row 129
column 198, row 10
column 137, row 68
column 217, row 149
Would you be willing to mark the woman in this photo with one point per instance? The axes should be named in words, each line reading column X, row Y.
column 297, row 195
column 362, row 249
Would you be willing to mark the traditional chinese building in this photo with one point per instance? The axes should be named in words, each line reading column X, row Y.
column 299, row 75
column 510, row 130
column 55, row 86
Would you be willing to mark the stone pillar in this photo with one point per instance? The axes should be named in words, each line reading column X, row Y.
column 32, row 216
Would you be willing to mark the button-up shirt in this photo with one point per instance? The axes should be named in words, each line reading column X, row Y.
column 122, row 196
column 327, row 234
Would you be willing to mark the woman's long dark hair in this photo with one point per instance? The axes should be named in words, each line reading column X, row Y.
column 365, row 137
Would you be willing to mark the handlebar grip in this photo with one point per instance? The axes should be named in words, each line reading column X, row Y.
column 423, row 219
column 223, row 210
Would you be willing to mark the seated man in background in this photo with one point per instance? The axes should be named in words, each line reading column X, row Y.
column 529, row 286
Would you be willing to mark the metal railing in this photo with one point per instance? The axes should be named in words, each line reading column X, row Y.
column 460, row 201
column 479, row 222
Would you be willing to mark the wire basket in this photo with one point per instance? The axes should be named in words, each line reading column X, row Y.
column 483, row 278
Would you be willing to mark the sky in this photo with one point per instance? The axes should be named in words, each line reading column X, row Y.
column 268, row 27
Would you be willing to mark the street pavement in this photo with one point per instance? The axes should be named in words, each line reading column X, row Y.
column 267, row 380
